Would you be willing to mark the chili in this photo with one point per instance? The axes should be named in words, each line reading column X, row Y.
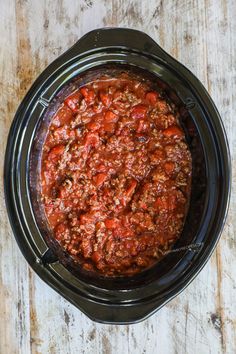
column 116, row 175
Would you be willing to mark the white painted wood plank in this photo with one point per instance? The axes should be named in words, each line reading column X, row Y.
column 34, row 319
column 14, row 295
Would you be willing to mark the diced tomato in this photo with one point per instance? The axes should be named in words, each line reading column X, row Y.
column 96, row 256
column 63, row 116
column 131, row 188
column 93, row 126
column 151, row 97
column 112, row 223
column 56, row 152
column 110, row 117
column 173, row 131
column 84, row 91
column 101, row 168
column 89, row 95
column 109, row 127
column 106, row 192
column 169, row 167
column 105, row 98
column 73, row 100
column 99, row 179
column 92, row 139
column 139, row 111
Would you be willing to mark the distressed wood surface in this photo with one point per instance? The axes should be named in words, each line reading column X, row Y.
column 35, row 319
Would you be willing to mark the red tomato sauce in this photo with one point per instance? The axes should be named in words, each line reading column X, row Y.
column 116, row 175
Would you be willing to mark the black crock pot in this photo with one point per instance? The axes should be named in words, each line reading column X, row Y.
column 119, row 300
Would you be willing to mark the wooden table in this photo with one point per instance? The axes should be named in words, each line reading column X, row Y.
column 35, row 319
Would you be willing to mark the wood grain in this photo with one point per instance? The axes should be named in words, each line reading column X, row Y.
column 33, row 318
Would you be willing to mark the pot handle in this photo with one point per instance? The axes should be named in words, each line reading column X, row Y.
column 117, row 314
column 118, row 37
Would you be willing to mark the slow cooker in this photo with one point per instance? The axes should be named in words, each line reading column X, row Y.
column 124, row 299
